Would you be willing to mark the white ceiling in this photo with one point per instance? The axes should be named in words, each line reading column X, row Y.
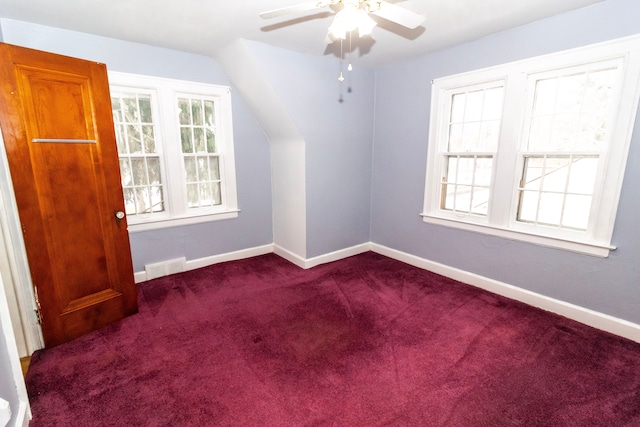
column 203, row 26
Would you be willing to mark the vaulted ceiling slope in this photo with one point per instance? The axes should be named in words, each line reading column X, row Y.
column 205, row 26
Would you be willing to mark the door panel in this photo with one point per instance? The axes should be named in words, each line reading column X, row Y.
column 56, row 120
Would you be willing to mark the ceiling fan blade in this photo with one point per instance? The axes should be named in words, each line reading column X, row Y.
column 399, row 15
column 292, row 9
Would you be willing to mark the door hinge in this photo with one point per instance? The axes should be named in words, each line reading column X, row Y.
column 38, row 308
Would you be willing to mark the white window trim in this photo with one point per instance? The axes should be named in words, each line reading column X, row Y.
column 167, row 91
column 502, row 223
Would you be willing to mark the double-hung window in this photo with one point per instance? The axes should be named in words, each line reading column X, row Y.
column 175, row 145
column 535, row 150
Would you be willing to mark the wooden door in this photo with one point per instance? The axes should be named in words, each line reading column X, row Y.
column 55, row 116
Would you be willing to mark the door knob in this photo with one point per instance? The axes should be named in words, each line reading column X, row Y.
column 119, row 215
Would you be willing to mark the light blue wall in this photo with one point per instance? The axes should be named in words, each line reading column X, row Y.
column 337, row 140
column 351, row 199
column 611, row 285
column 253, row 226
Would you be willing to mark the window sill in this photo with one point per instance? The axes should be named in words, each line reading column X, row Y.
column 594, row 249
column 167, row 222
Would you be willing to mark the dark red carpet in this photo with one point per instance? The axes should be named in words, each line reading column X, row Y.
column 365, row 341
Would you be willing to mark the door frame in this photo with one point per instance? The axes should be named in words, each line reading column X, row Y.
column 17, row 257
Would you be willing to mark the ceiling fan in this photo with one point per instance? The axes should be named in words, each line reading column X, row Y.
column 354, row 14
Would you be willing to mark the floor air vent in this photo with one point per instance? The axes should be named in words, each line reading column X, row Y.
column 165, row 268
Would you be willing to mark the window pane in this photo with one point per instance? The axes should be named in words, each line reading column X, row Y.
column 116, row 109
column 190, row 169
column 493, row 104
column 564, row 133
column 149, row 139
column 186, row 139
column 480, row 202
column 545, row 97
column 184, row 111
column 556, row 172
column 205, row 194
column 125, row 172
column 550, row 209
column 473, row 107
column 142, row 200
column 121, row 139
column 483, row 170
column 153, row 166
column 193, row 199
column 197, row 112
column 449, row 192
column 457, row 107
column 217, row 194
column 203, row 169
column 570, row 92
column 139, row 172
column 145, row 108
column 129, row 201
column 583, row 175
column 471, row 137
column 533, row 169
column 130, row 108
column 452, row 169
column 592, row 131
column 462, row 202
column 540, row 133
column 455, row 137
column 576, row 212
column 215, row 168
column 209, row 117
column 135, row 139
column 489, row 136
column 211, row 141
column 466, row 169
column 198, row 138
column 157, row 199
column 528, row 207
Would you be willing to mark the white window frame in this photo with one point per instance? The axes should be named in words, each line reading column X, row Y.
column 507, row 170
column 166, row 93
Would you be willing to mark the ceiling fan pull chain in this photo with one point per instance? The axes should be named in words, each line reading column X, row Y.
column 341, row 76
column 349, row 67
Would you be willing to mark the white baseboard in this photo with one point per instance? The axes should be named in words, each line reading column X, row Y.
column 289, row 256
column 321, row 259
column 589, row 317
column 229, row 256
column 336, row 255
column 141, row 276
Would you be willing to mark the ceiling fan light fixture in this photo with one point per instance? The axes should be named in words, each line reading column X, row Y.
column 365, row 23
column 351, row 17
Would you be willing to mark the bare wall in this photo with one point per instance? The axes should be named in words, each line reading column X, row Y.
column 610, row 285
